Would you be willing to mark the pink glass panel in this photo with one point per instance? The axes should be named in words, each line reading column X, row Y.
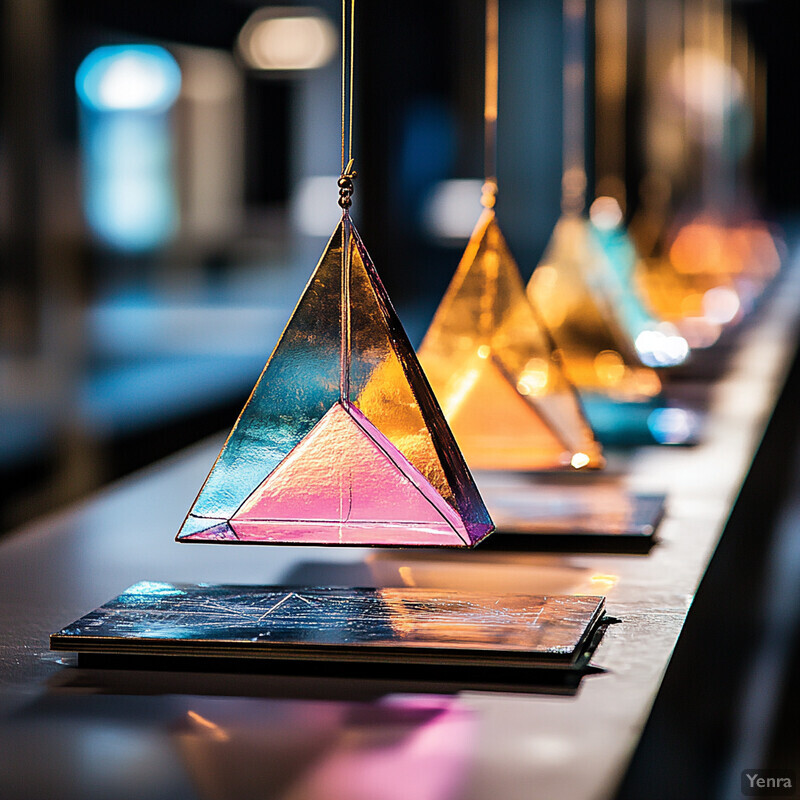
column 373, row 487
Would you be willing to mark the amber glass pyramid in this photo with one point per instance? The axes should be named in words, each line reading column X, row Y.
column 492, row 366
column 571, row 288
column 342, row 441
column 699, row 303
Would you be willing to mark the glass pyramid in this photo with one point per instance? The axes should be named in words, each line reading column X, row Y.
column 342, row 441
column 705, row 273
column 575, row 292
column 621, row 255
column 658, row 342
column 698, row 303
column 492, row 366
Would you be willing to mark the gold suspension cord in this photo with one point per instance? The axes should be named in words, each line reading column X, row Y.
column 348, row 173
column 489, row 192
column 346, row 193
column 573, row 184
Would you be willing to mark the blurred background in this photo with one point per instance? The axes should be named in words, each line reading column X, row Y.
column 168, row 180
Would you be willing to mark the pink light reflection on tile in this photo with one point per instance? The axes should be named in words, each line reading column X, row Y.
column 406, row 747
column 429, row 762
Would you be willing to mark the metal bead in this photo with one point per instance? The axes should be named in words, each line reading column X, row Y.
column 345, row 184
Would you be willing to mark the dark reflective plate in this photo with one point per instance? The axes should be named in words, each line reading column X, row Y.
column 414, row 626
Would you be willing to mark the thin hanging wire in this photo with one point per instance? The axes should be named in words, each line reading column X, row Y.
column 489, row 192
column 573, row 184
column 346, row 194
column 348, row 40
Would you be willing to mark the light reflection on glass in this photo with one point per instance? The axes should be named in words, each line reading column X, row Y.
column 672, row 425
column 662, row 347
column 212, row 728
column 579, row 460
column 485, row 571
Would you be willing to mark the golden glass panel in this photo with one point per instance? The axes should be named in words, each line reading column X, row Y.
column 492, row 366
column 573, row 289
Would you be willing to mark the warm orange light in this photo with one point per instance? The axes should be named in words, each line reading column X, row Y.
column 693, row 282
column 406, row 575
column 756, row 246
column 707, row 246
column 533, row 380
column 609, row 367
column 704, row 247
column 493, row 369
column 207, row 725
column 646, row 382
column 711, row 274
column 603, row 582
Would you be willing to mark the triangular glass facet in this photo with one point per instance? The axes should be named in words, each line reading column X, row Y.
column 219, row 532
column 496, row 421
column 343, row 352
column 373, row 484
column 492, row 365
column 571, row 287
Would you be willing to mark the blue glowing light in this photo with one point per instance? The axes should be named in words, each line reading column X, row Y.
column 128, row 78
column 129, row 196
column 673, row 425
column 153, row 589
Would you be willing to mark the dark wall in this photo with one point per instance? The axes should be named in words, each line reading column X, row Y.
column 774, row 26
